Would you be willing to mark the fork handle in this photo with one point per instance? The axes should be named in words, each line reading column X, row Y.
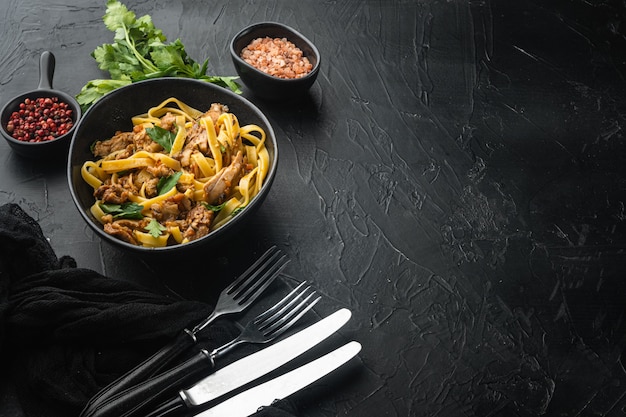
column 141, row 372
column 173, row 407
column 135, row 400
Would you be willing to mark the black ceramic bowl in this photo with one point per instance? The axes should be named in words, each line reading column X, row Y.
column 262, row 84
column 57, row 148
column 114, row 111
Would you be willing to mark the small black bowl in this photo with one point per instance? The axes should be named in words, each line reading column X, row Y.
column 262, row 84
column 113, row 112
column 50, row 149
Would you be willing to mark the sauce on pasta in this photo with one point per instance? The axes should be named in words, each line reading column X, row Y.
column 177, row 176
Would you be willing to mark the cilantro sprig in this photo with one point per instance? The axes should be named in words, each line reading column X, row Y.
column 139, row 51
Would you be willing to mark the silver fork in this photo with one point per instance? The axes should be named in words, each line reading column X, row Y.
column 246, row 289
column 235, row 298
column 264, row 328
column 274, row 322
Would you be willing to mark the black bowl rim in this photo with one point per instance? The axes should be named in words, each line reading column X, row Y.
column 287, row 28
column 46, row 92
column 270, row 134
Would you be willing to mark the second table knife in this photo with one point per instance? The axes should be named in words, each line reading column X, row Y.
column 248, row 402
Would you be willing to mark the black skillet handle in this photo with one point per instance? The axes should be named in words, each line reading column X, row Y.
column 46, row 70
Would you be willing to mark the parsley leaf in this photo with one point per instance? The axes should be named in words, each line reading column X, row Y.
column 139, row 51
column 214, row 208
column 221, row 206
column 167, row 183
column 123, row 211
column 162, row 136
column 155, row 228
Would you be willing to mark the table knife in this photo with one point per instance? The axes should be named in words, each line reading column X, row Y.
column 136, row 400
column 248, row 402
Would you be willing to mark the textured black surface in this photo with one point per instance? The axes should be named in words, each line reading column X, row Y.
column 455, row 177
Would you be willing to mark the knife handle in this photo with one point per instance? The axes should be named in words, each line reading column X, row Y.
column 141, row 372
column 136, row 399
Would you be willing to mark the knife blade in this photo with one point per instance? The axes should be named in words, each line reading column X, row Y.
column 248, row 402
column 222, row 380
column 262, row 362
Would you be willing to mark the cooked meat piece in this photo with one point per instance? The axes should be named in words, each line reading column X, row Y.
column 185, row 157
column 128, row 182
column 216, row 110
column 220, row 186
column 168, row 121
column 119, row 142
column 142, row 177
column 125, row 153
column 166, row 211
column 198, row 222
column 111, row 194
column 133, row 224
column 151, row 188
column 197, row 139
column 160, row 170
column 184, row 186
column 126, row 143
column 172, row 210
column 184, row 203
column 121, row 232
column 143, row 142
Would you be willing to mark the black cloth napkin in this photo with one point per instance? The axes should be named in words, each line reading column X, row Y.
column 66, row 332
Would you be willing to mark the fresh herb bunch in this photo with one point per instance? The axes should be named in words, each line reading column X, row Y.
column 140, row 52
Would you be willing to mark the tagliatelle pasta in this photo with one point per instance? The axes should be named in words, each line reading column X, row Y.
column 178, row 175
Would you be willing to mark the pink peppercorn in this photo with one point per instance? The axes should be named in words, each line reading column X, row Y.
column 40, row 120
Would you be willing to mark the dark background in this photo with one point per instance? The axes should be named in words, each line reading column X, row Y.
column 455, row 177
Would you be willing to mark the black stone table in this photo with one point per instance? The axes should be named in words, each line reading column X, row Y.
column 456, row 177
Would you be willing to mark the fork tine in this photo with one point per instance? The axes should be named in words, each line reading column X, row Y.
column 251, row 293
column 247, row 288
column 249, row 274
column 286, row 322
column 274, row 321
column 288, row 305
column 281, row 304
